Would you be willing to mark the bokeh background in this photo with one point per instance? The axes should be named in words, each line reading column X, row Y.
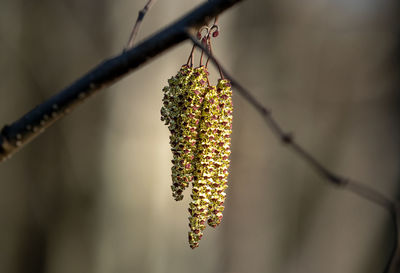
column 92, row 194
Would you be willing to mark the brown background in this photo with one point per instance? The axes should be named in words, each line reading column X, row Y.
column 92, row 194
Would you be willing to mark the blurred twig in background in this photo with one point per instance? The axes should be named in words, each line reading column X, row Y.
column 138, row 22
column 32, row 124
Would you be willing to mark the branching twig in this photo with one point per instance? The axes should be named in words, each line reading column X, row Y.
column 32, row 124
column 16, row 135
column 359, row 189
column 138, row 22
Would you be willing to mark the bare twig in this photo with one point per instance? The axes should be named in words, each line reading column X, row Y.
column 20, row 132
column 32, row 124
column 357, row 188
column 138, row 22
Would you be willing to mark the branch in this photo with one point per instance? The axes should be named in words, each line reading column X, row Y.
column 138, row 22
column 13, row 137
column 357, row 188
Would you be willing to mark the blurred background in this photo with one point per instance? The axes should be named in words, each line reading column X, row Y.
column 92, row 193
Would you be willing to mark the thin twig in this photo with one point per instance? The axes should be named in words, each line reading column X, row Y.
column 357, row 188
column 190, row 59
column 32, row 124
column 138, row 22
column 14, row 136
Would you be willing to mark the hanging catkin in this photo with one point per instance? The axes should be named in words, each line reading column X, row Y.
column 199, row 118
column 181, row 111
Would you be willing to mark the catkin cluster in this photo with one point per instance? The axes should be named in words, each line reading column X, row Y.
column 199, row 118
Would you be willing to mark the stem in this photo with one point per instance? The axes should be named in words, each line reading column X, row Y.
column 138, row 22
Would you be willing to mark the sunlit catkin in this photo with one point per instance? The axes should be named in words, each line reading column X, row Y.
column 221, row 150
column 199, row 118
column 181, row 111
column 212, row 161
column 184, row 158
column 204, row 172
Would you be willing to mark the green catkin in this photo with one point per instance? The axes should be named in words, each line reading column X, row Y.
column 184, row 96
column 221, row 150
column 172, row 98
column 212, row 161
column 202, row 184
column 199, row 117
column 171, row 112
column 189, row 120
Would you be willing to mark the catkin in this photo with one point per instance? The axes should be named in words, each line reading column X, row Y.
column 201, row 191
column 171, row 112
column 221, row 150
column 181, row 111
column 199, row 117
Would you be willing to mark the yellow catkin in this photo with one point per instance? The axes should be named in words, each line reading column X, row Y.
column 222, row 151
column 199, row 207
column 199, row 117
column 212, row 161
column 181, row 111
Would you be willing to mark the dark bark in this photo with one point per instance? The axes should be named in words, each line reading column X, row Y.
column 20, row 132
